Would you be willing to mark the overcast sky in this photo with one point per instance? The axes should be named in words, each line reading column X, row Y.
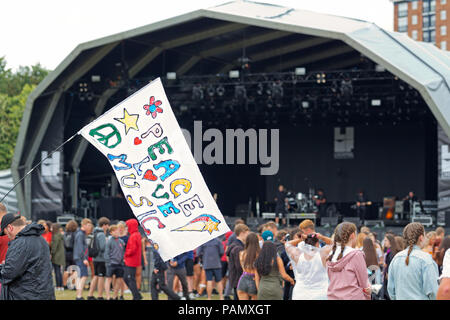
column 46, row 31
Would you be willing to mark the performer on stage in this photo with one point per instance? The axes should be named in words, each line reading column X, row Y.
column 280, row 208
column 361, row 204
column 320, row 199
column 408, row 203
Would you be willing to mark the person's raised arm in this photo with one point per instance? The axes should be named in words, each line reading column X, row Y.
column 292, row 250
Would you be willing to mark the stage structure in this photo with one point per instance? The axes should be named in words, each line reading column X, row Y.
column 356, row 106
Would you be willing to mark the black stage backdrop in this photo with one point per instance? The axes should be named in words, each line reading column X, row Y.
column 388, row 161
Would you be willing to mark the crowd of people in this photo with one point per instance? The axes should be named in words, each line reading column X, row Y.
column 298, row 263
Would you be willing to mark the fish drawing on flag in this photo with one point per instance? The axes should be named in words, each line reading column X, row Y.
column 204, row 222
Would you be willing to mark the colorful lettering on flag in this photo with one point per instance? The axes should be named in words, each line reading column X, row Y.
column 157, row 173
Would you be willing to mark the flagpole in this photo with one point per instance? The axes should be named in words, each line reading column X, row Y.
column 32, row 169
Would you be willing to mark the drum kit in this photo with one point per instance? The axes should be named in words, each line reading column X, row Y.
column 302, row 202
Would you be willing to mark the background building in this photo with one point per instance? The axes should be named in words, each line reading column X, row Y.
column 424, row 20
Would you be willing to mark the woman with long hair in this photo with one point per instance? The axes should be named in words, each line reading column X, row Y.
column 69, row 239
column 246, row 288
column 370, row 255
column 270, row 273
column 400, row 242
column 309, row 262
column 440, row 252
column 57, row 255
column 346, row 267
column 430, row 239
column 359, row 240
column 413, row 275
column 391, row 250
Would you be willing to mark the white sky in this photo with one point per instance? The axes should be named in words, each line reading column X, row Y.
column 46, row 31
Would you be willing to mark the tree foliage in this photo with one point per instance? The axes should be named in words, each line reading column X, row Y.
column 15, row 87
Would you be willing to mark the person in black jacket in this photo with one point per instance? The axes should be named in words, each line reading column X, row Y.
column 234, row 263
column 27, row 272
column 158, row 278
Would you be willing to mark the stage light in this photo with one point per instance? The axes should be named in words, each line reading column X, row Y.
column 197, row 92
column 220, row 90
column 300, row 71
column 95, row 78
column 240, row 92
column 277, row 89
column 183, row 108
column 379, row 68
column 346, row 88
column 233, row 74
column 211, row 91
column 171, row 75
column 259, row 89
column 305, row 104
column 83, row 87
column 375, row 102
column 321, row 78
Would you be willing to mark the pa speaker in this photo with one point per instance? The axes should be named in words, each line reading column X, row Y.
column 354, row 220
column 330, row 221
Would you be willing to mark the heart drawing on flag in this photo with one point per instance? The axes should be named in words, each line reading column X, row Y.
column 137, row 141
column 150, row 176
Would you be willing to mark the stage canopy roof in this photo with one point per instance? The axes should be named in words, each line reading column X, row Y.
column 211, row 41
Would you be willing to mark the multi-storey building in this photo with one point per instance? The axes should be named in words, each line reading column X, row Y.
column 424, row 20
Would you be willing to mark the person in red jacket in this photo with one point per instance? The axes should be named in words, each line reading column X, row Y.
column 3, row 239
column 132, row 257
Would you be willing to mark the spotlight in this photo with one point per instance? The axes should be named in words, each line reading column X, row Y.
column 305, row 104
column 233, row 74
column 379, row 68
column 300, row 71
column 220, row 90
column 210, row 90
column 277, row 89
column 375, row 102
column 95, row 78
column 197, row 92
column 171, row 75
column 240, row 92
column 259, row 89
column 346, row 88
column 321, row 78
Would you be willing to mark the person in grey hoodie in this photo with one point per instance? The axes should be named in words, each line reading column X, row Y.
column 114, row 251
column 98, row 281
column 80, row 254
column 210, row 254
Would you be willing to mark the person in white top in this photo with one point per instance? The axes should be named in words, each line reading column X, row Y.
column 310, row 268
column 444, row 287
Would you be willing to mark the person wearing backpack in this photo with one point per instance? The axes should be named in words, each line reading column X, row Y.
column 69, row 239
column 97, row 252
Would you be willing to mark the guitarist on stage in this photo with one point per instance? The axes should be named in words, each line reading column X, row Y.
column 361, row 204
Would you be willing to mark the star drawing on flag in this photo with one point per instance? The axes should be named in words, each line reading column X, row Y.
column 153, row 107
column 129, row 120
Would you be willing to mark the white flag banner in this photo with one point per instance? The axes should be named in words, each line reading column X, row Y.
column 158, row 175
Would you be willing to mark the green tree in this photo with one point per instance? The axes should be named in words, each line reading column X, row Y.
column 15, row 87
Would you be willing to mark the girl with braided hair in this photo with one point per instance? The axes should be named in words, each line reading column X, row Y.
column 413, row 274
column 346, row 267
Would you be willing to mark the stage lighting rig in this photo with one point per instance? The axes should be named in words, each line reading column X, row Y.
column 197, row 92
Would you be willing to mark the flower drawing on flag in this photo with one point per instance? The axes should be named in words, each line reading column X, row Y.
column 204, row 222
column 153, row 107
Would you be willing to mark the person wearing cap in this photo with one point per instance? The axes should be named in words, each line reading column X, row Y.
column 267, row 235
column 27, row 259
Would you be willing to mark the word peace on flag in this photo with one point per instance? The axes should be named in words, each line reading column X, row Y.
column 157, row 173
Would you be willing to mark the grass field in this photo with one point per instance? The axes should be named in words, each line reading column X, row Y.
column 71, row 295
